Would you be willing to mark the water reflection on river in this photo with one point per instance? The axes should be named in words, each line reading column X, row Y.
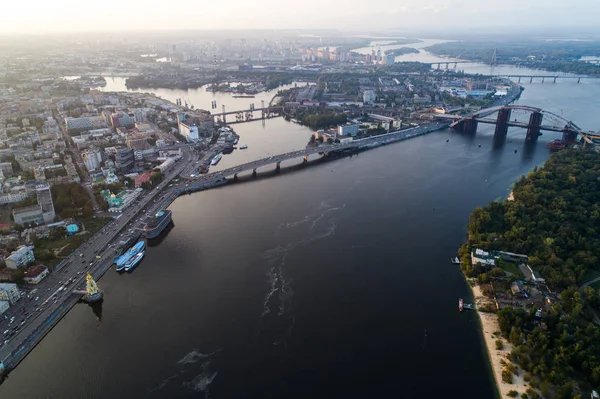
column 313, row 284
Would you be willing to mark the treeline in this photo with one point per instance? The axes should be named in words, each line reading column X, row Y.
column 409, row 67
column 482, row 50
column 321, row 120
column 559, row 356
column 550, row 56
column 554, row 219
column 577, row 67
column 71, row 200
column 402, row 51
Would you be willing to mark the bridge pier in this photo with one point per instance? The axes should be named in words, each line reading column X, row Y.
column 578, row 80
column 519, row 80
column 468, row 125
column 543, row 79
column 554, row 80
column 254, row 172
column 278, row 166
column 502, row 122
column 447, row 65
column 531, row 79
column 533, row 130
column 569, row 135
column 455, row 64
column 439, row 65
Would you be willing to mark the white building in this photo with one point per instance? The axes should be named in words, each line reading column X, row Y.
column 35, row 274
column 20, row 258
column 13, row 196
column 349, row 129
column 483, row 257
column 4, row 305
column 92, row 159
column 190, row 132
column 9, row 292
column 369, row 97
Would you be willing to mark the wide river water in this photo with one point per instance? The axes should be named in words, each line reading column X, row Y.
column 333, row 281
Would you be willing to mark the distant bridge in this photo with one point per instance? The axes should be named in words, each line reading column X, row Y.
column 468, row 123
column 549, row 77
column 439, row 64
column 247, row 114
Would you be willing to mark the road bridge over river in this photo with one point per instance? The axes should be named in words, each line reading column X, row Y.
column 323, row 149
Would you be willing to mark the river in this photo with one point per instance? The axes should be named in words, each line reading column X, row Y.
column 331, row 281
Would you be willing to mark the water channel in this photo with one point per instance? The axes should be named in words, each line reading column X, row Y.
column 333, row 281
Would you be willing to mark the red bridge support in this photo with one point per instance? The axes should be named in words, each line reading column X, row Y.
column 502, row 122
column 533, row 130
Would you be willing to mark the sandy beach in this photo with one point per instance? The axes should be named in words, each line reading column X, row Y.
column 489, row 323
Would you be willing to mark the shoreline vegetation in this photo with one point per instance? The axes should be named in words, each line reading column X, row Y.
column 541, row 330
column 551, row 56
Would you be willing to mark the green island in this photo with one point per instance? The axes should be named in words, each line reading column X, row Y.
column 552, row 56
column 550, row 320
column 402, row 51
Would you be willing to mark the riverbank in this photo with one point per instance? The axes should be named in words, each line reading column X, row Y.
column 497, row 357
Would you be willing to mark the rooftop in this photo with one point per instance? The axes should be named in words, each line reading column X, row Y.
column 32, row 208
column 34, row 271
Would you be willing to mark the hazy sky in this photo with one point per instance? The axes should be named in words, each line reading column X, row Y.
column 38, row 16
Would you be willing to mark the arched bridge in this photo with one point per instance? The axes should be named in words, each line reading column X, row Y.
column 554, row 122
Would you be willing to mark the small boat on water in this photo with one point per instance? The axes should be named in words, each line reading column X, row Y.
column 216, row 159
column 243, row 147
column 455, row 261
column 460, row 304
column 134, row 261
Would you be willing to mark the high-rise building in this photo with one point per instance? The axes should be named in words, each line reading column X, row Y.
column 120, row 119
column 125, row 159
column 44, row 198
column 92, row 159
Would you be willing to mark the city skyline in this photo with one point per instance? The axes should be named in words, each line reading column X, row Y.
column 39, row 16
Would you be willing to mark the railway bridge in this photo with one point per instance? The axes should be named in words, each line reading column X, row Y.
column 469, row 123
